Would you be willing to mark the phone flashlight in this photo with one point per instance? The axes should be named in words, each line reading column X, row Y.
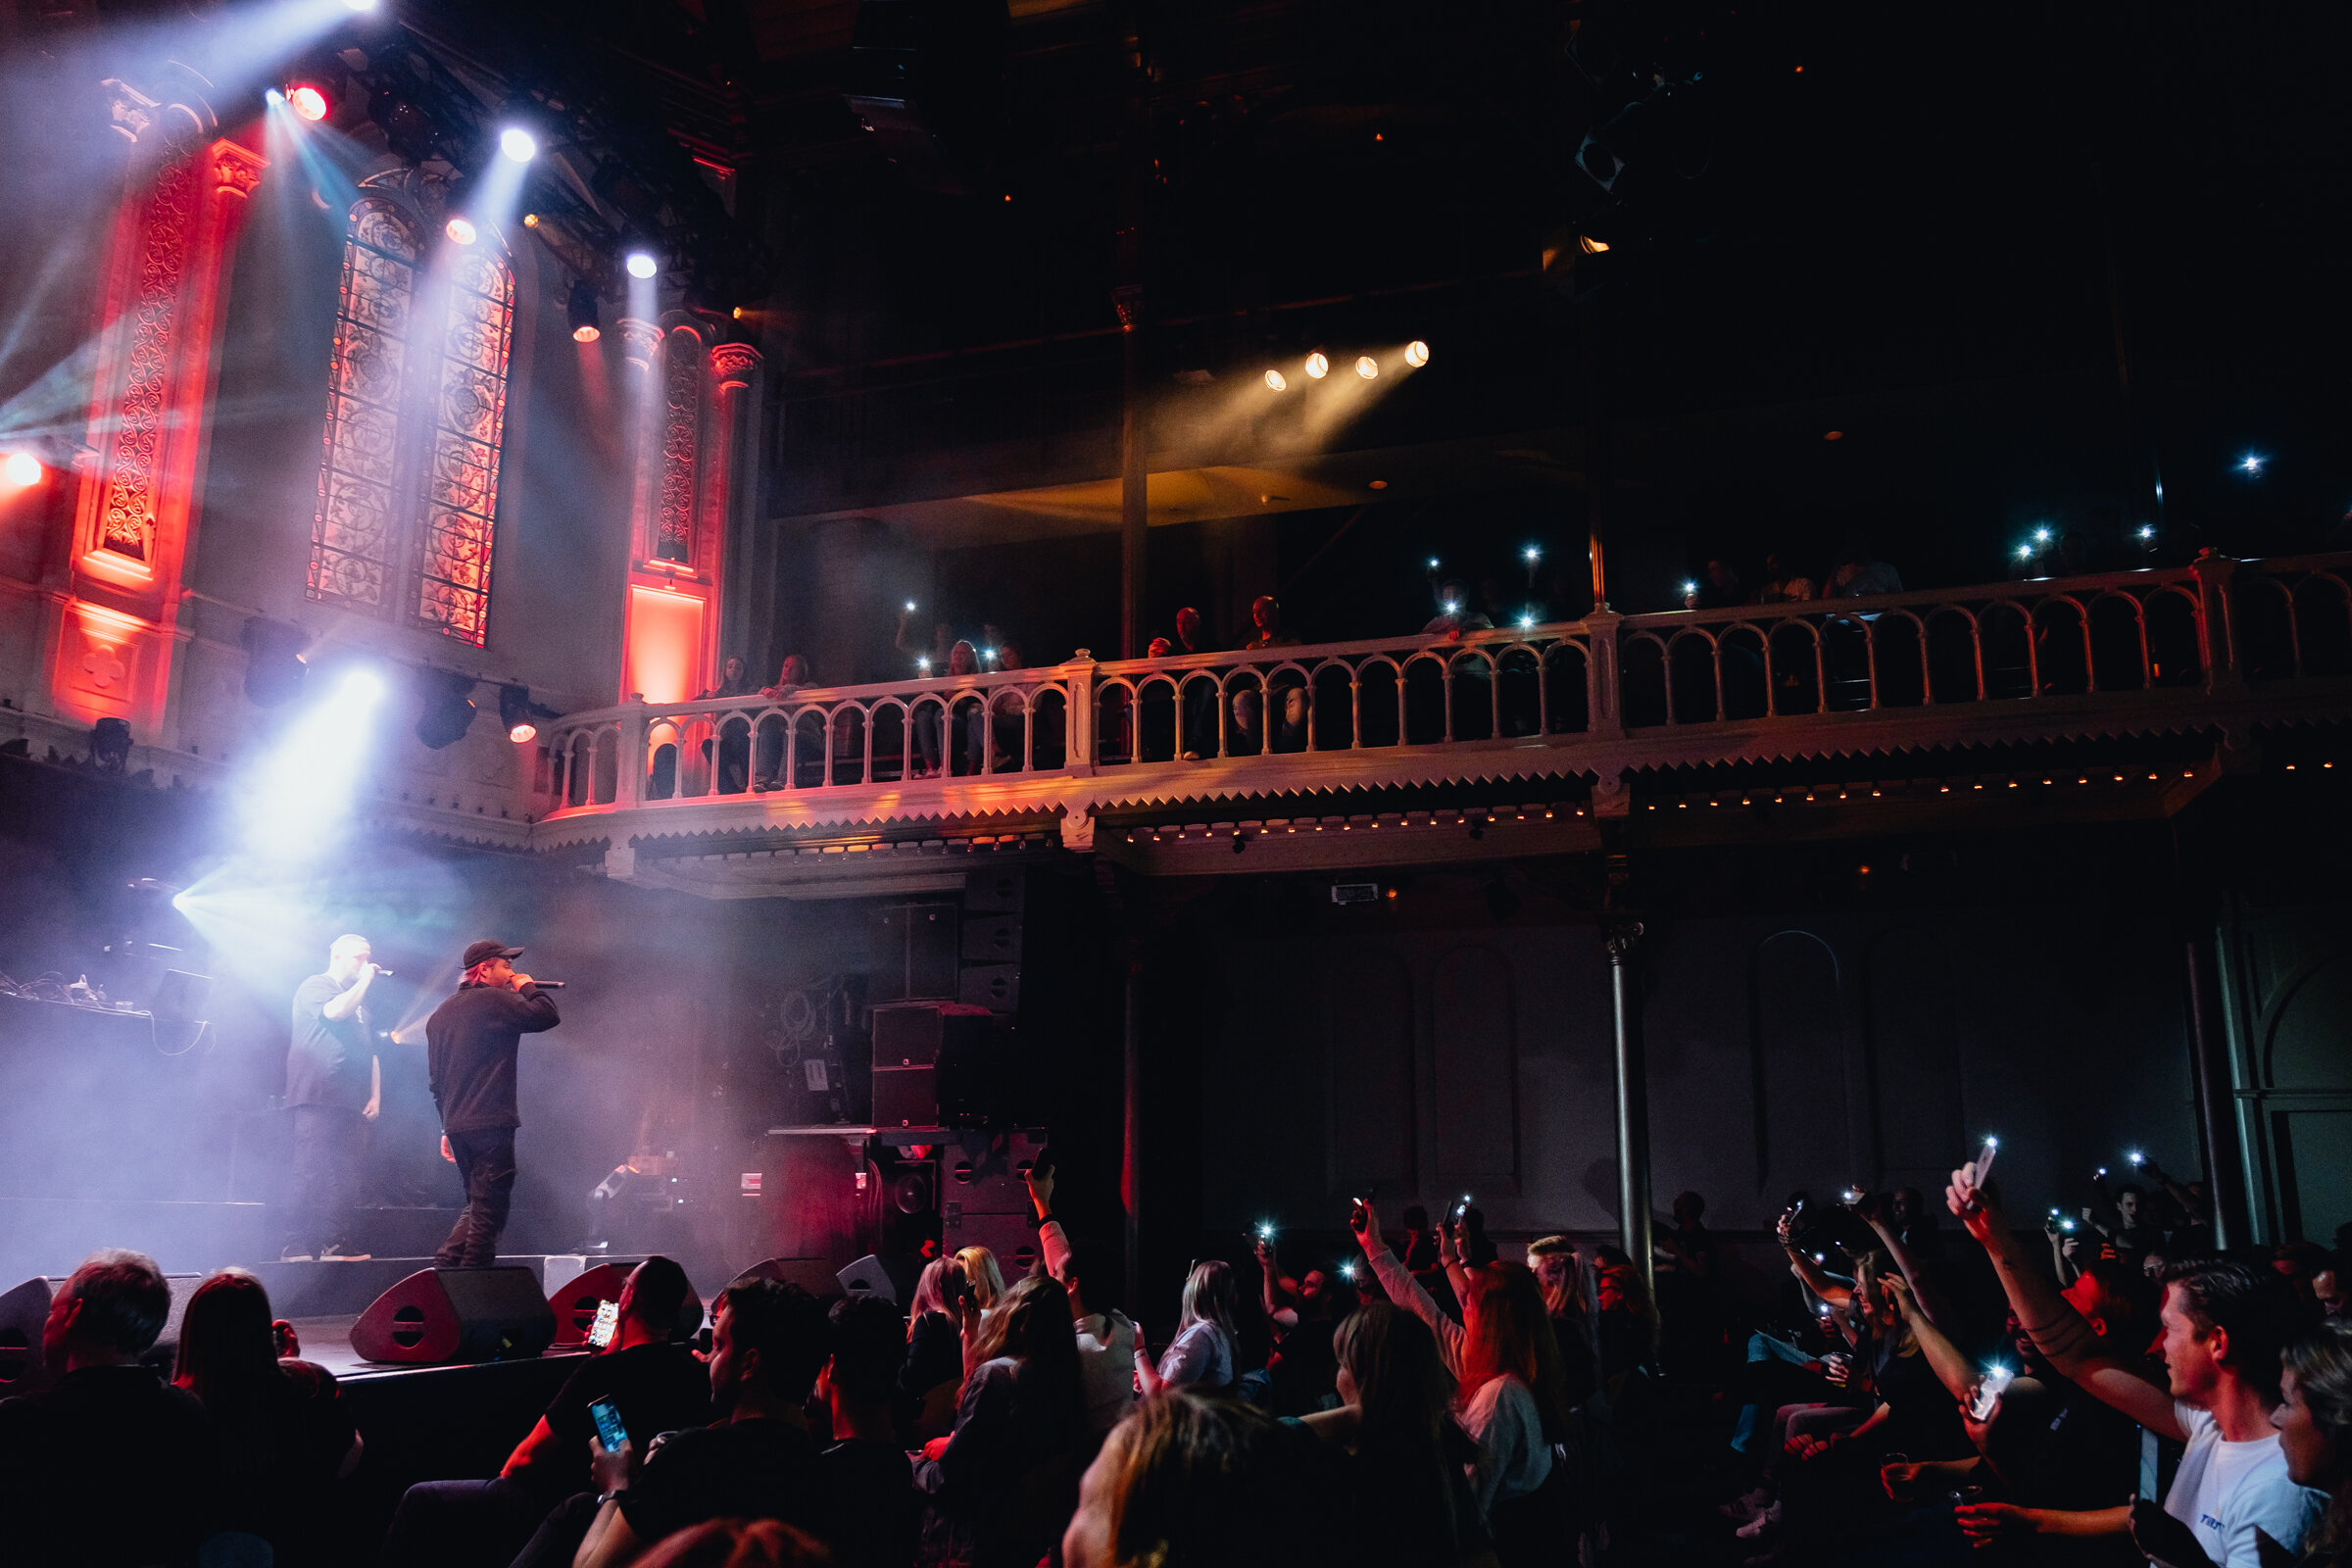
column 2136, row 1158
column 1265, row 1230
column 2099, row 1175
column 1347, row 1270
column 2066, row 1224
column 1992, row 1147
column 911, row 606
column 1997, row 1379
column 1852, row 1195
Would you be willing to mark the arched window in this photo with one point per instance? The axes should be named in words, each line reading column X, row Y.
column 407, row 492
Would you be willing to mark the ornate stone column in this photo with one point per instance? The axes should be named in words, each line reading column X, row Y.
column 670, row 625
column 111, row 631
column 728, row 493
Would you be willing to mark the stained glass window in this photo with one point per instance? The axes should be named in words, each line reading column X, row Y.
column 408, row 494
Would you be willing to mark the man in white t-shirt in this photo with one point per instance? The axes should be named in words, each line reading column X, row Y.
column 2224, row 1327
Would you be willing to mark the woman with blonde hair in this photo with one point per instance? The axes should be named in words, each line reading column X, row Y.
column 2314, row 1419
column 980, row 1271
column 1202, row 1356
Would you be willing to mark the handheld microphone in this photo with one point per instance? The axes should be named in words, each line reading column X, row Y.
column 547, row 984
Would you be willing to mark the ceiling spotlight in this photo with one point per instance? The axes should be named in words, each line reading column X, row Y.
column 1317, row 366
column 460, row 230
column 447, row 709
column 514, row 712
column 1591, row 246
column 530, row 220
column 1416, row 353
column 307, row 101
column 1367, row 366
column 22, row 470
column 580, row 312
column 1275, row 382
column 641, row 264
column 519, row 144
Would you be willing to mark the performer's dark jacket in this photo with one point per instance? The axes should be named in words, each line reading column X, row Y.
column 471, row 1043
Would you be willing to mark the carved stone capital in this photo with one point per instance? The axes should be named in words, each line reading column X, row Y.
column 638, row 339
column 237, row 171
column 733, row 364
column 1078, row 832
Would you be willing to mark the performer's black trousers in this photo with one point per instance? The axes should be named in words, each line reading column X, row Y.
column 486, row 1160
column 329, row 1144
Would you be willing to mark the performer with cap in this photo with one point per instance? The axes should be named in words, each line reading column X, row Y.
column 470, row 1044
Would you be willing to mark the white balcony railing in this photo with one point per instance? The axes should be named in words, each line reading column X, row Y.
column 2175, row 646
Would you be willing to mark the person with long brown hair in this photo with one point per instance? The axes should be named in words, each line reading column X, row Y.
column 1513, row 1394
column 2314, row 1419
column 1410, row 1459
column 1187, row 1482
column 1002, row 1482
column 285, row 1435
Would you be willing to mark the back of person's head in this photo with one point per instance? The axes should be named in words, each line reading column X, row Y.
column 1032, row 1323
column 1476, row 1249
column 1690, row 1206
column 1506, row 1329
column 227, row 1350
column 1087, row 1271
column 1188, row 1482
column 1403, row 1393
column 868, row 1345
column 930, row 1291
column 2254, row 1307
column 1209, row 1298
column 121, row 1302
column 979, row 1266
column 786, row 1325
column 738, row 1544
column 1554, row 1260
column 658, row 1291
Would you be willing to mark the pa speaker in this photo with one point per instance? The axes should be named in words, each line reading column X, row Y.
column 456, row 1314
column 576, row 1300
column 871, row 1276
column 812, row 1274
column 23, row 1312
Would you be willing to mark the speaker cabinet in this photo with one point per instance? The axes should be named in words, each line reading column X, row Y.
column 812, row 1274
column 996, row 1182
column 456, row 1314
column 872, row 1275
column 23, row 1312
column 576, row 1300
column 1012, row 1237
column 937, row 1065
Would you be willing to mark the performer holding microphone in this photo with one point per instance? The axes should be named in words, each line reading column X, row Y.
column 470, row 1044
column 335, row 1086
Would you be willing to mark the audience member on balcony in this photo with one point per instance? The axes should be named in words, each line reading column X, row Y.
column 1198, row 709
column 1203, row 1356
column 758, row 1461
column 109, row 1465
column 734, row 732
column 1860, row 573
column 790, row 678
column 931, row 722
column 1006, row 722
column 2225, row 1325
column 871, row 1510
column 1004, row 1482
column 927, row 661
column 1457, row 612
column 769, row 774
column 1784, row 582
column 285, row 1437
column 1718, row 587
column 1248, row 706
column 1105, row 1336
column 657, row 1386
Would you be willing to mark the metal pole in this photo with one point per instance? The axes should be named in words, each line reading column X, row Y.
column 2216, row 1097
column 1633, row 1099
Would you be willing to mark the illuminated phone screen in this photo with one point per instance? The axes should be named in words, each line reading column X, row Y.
column 608, row 1319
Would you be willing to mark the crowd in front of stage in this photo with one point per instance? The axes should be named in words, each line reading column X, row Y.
column 1425, row 1403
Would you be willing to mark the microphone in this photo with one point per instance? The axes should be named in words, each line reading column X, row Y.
column 547, row 984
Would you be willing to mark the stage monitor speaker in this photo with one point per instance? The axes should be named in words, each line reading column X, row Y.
column 23, row 1312
column 456, row 1314
column 576, row 1300
column 812, row 1274
column 871, row 1276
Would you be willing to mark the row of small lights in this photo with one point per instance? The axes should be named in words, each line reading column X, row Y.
column 1318, row 365
column 1781, row 797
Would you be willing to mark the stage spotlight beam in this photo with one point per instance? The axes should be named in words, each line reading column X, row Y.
column 1275, row 381
column 460, row 231
column 1317, row 366
column 1367, row 366
column 519, row 144
column 307, row 101
column 1416, row 354
column 22, row 470
column 641, row 264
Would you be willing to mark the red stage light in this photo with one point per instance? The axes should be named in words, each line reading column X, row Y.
column 307, row 101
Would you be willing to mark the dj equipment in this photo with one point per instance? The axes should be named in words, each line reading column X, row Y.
column 456, row 1314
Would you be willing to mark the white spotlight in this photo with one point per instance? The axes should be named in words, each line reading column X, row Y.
column 1367, row 366
column 641, row 264
column 362, row 686
column 519, row 144
column 1416, row 353
column 22, row 470
column 1275, row 381
column 1317, row 366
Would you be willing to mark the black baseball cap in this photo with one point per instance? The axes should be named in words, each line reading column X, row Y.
column 484, row 952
